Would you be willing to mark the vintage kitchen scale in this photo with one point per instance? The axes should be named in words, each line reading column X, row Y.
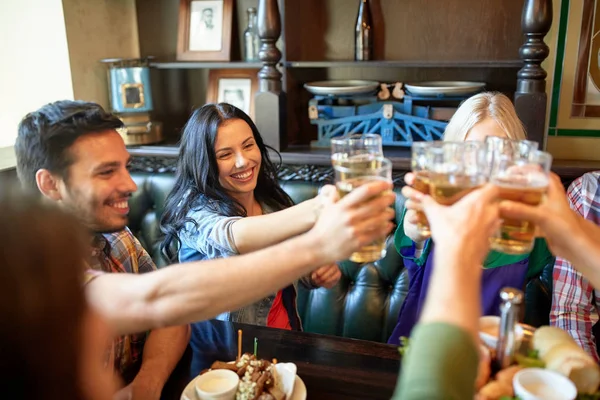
column 130, row 95
column 421, row 113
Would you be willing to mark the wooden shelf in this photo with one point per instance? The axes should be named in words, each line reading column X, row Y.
column 206, row 65
column 406, row 64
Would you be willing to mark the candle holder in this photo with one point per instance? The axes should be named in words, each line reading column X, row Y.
column 130, row 95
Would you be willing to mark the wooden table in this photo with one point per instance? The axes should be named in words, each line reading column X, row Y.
column 331, row 367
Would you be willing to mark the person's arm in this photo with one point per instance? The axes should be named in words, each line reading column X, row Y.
column 197, row 291
column 573, row 307
column 258, row 232
column 441, row 364
column 216, row 235
column 162, row 351
column 444, row 343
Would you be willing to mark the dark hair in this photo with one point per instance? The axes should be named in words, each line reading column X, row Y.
column 45, row 136
column 42, row 302
column 197, row 181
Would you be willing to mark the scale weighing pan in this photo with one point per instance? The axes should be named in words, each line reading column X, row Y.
column 342, row 88
column 444, row 88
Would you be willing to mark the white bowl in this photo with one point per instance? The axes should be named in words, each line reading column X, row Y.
column 543, row 384
column 489, row 327
column 218, row 384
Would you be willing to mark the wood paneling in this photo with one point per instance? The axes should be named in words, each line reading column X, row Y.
column 97, row 30
column 406, row 29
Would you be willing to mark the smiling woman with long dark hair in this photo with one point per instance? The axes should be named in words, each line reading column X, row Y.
column 226, row 201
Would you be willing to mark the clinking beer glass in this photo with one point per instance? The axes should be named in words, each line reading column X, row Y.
column 355, row 147
column 353, row 173
column 456, row 168
column 522, row 176
column 420, row 168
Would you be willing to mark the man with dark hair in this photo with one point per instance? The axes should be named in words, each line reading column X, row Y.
column 74, row 156
column 71, row 153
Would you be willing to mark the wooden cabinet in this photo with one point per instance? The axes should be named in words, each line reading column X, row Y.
column 497, row 42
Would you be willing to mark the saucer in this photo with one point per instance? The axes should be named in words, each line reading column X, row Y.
column 299, row 390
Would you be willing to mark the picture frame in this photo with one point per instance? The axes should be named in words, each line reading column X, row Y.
column 574, row 82
column 234, row 86
column 204, row 30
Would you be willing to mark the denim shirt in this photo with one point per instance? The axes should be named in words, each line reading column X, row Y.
column 212, row 238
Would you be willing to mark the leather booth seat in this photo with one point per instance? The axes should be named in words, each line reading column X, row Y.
column 365, row 303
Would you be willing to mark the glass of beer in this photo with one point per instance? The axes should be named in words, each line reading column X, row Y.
column 365, row 146
column 353, row 173
column 456, row 168
column 497, row 145
column 420, row 168
column 522, row 176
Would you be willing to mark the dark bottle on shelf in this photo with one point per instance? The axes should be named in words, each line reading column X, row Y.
column 363, row 33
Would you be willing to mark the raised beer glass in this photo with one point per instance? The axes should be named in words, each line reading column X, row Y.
column 420, row 168
column 456, row 168
column 353, row 173
column 522, row 176
column 355, row 146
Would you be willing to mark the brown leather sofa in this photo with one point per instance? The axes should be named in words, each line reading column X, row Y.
column 366, row 302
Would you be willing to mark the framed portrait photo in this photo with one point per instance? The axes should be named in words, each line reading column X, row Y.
column 233, row 86
column 204, row 31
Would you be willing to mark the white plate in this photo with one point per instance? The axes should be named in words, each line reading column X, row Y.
column 189, row 393
column 445, row 88
column 348, row 88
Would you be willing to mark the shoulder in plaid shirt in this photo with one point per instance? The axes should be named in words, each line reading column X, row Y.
column 574, row 299
column 121, row 252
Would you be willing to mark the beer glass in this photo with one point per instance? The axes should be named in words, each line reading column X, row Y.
column 352, row 174
column 356, row 146
column 522, row 176
column 498, row 145
column 456, row 168
column 420, row 169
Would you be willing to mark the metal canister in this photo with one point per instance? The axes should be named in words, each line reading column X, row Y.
column 509, row 317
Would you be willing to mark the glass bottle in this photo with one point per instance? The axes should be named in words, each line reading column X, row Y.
column 363, row 33
column 251, row 40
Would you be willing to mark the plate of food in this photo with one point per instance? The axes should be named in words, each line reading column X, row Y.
column 547, row 361
column 342, row 88
column 257, row 379
column 444, row 88
column 547, row 352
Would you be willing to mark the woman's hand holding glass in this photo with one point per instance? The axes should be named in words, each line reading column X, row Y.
column 413, row 208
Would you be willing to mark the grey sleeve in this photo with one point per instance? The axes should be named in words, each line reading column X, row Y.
column 212, row 236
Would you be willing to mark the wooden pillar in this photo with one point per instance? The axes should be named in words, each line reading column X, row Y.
column 530, row 97
column 270, row 102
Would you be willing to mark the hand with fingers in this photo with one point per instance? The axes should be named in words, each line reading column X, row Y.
column 413, row 206
column 555, row 220
column 326, row 276
column 465, row 226
column 360, row 218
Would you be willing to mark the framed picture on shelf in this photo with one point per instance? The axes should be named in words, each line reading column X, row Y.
column 204, row 31
column 234, row 86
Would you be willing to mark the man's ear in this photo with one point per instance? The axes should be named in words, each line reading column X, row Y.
column 48, row 184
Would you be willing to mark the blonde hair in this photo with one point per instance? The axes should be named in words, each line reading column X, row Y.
column 484, row 105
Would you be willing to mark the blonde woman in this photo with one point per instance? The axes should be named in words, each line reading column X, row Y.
column 485, row 114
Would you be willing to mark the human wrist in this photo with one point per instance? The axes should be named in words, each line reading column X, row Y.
column 310, row 245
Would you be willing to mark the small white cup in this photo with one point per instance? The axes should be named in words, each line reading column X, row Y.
column 543, row 384
column 218, row 384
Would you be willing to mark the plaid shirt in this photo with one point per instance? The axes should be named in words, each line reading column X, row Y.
column 121, row 252
column 574, row 299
